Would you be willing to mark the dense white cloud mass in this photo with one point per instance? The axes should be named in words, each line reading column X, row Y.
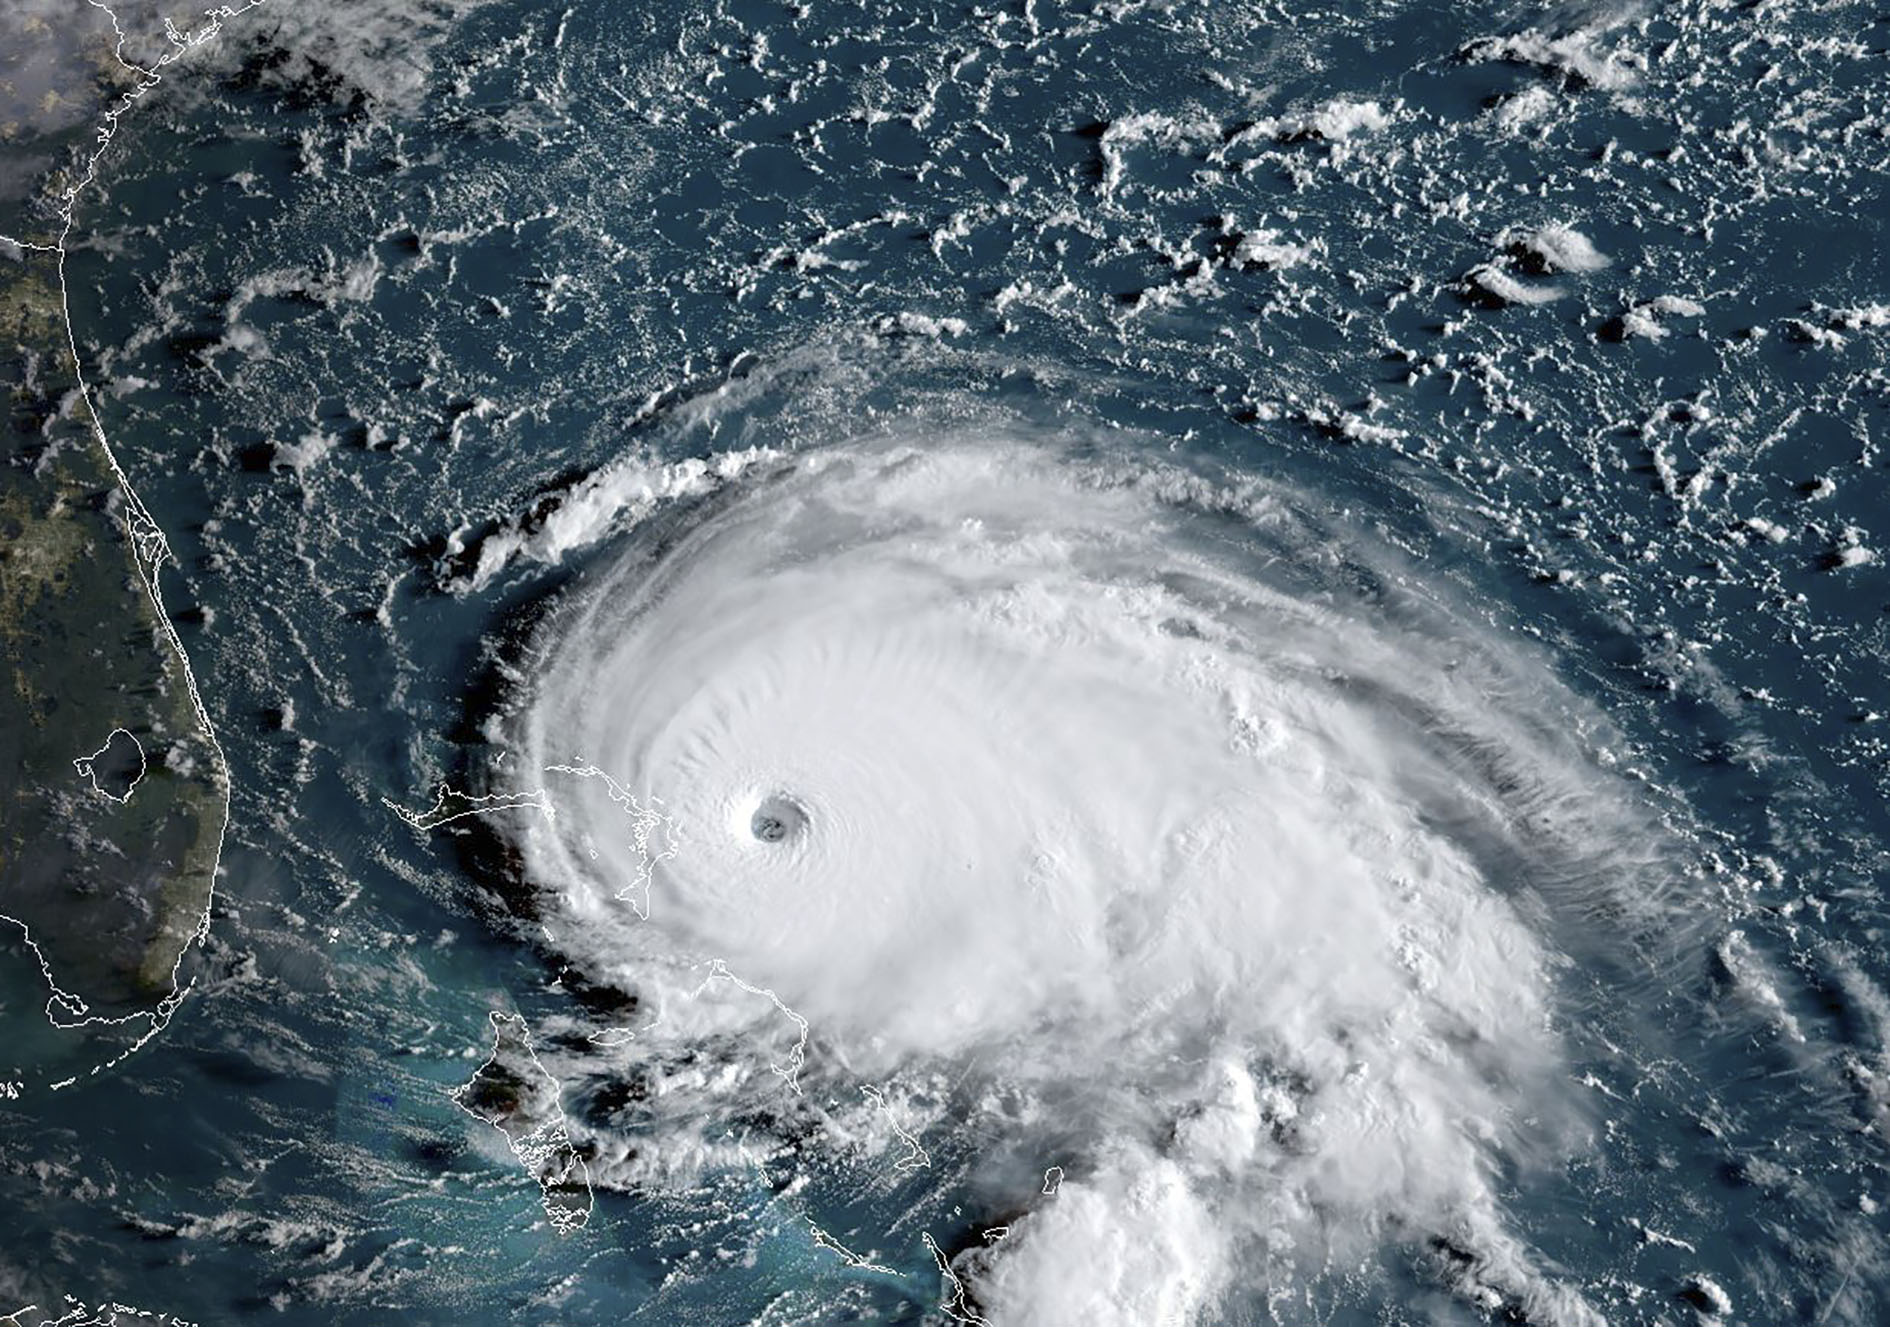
column 1196, row 832
column 381, row 48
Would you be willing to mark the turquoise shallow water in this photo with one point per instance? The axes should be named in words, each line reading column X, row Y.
column 352, row 329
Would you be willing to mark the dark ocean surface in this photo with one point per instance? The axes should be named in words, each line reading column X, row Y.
column 1576, row 321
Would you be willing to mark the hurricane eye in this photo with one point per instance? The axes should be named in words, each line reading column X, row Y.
column 778, row 819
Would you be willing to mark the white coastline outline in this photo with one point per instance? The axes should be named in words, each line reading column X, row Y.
column 444, row 795
column 85, row 766
column 797, row 1058
column 449, row 805
column 150, row 547
column 916, row 1158
column 534, row 1147
column 951, row 1301
column 80, row 1314
column 644, row 822
column 856, row 1261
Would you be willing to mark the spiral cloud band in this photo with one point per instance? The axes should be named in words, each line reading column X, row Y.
column 1208, row 851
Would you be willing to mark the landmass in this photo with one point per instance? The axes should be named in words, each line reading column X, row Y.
column 74, row 1312
column 116, row 795
column 516, row 1095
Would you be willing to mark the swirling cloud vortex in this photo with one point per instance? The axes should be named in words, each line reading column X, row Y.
column 1143, row 793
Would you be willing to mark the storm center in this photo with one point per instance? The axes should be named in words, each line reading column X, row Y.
column 778, row 819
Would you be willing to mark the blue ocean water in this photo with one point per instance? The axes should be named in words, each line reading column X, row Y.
column 1582, row 311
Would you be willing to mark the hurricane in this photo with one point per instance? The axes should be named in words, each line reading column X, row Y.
column 1075, row 663
column 1161, row 842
